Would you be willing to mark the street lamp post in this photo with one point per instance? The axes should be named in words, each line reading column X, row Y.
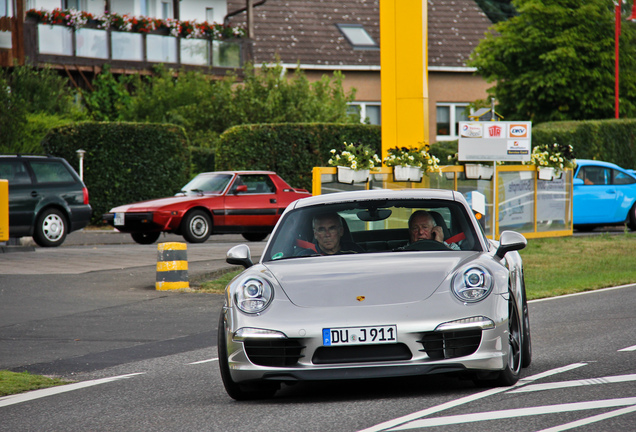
column 80, row 155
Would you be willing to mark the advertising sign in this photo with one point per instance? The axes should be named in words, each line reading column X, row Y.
column 495, row 141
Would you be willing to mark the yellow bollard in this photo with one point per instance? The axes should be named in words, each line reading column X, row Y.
column 172, row 266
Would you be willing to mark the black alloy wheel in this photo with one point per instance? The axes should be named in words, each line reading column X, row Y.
column 240, row 392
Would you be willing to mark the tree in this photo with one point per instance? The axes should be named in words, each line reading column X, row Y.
column 31, row 102
column 207, row 107
column 555, row 61
column 497, row 10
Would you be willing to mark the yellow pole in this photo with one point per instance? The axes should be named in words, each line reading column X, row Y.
column 404, row 65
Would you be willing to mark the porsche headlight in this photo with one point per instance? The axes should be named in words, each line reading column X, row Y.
column 253, row 295
column 472, row 284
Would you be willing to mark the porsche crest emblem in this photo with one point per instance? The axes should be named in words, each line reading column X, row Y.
column 360, row 298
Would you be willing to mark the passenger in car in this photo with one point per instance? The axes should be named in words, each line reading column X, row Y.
column 328, row 232
column 422, row 226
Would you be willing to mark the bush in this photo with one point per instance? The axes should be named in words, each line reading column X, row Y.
column 607, row 140
column 124, row 162
column 290, row 149
column 34, row 130
column 202, row 160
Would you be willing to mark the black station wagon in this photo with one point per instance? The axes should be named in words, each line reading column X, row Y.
column 47, row 199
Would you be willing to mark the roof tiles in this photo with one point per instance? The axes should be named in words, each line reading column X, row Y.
column 305, row 31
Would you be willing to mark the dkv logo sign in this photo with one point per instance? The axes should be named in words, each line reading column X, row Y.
column 518, row 131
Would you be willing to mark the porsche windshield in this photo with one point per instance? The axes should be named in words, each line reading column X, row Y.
column 374, row 227
column 207, row 183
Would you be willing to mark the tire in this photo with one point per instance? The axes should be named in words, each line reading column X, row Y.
column 631, row 220
column 240, row 392
column 254, row 237
column 145, row 238
column 526, row 345
column 50, row 228
column 584, row 228
column 510, row 375
column 196, row 226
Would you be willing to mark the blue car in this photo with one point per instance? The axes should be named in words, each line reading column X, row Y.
column 604, row 194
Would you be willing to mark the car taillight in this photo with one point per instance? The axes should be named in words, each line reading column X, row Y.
column 85, row 191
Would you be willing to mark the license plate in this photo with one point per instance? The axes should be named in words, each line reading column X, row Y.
column 119, row 219
column 359, row 335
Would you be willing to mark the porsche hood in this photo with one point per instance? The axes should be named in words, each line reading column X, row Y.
column 344, row 280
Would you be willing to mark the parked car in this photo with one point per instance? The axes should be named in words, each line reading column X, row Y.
column 604, row 194
column 383, row 306
column 224, row 202
column 47, row 199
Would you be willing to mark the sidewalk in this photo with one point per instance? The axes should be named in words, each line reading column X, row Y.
column 96, row 250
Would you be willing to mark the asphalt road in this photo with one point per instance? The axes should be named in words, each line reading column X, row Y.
column 92, row 303
column 145, row 360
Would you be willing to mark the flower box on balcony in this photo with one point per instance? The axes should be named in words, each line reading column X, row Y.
column 403, row 173
column 351, row 176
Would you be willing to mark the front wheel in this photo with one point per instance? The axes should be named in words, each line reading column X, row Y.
column 510, row 375
column 239, row 392
column 50, row 228
column 196, row 226
column 145, row 238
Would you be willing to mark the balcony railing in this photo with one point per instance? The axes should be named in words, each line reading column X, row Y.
column 59, row 44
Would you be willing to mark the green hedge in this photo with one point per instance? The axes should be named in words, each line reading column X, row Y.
column 124, row 162
column 290, row 149
column 202, row 159
column 606, row 140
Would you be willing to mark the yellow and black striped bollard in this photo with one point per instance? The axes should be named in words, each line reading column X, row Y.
column 172, row 266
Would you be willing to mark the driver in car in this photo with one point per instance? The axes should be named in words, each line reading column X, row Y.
column 328, row 232
column 422, row 226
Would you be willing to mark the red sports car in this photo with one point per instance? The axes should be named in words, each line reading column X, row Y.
column 225, row 202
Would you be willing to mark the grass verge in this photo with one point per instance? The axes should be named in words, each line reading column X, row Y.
column 13, row 382
column 568, row 265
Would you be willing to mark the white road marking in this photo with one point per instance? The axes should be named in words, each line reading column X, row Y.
column 631, row 348
column 576, row 383
column 590, row 420
column 36, row 394
column 203, row 361
column 516, row 413
column 452, row 404
column 582, row 293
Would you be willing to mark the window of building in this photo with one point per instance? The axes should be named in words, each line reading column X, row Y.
column 368, row 112
column 357, row 36
column 448, row 116
column 166, row 10
column 209, row 14
column 143, row 6
column 5, row 8
column 75, row 4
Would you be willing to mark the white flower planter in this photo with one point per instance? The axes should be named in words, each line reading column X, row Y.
column 407, row 173
column 350, row 176
column 478, row 171
column 546, row 173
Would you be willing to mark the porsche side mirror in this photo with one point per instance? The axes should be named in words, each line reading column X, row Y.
column 239, row 255
column 240, row 189
column 578, row 182
column 510, row 241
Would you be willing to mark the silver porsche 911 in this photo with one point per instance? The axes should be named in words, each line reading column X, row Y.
column 377, row 283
